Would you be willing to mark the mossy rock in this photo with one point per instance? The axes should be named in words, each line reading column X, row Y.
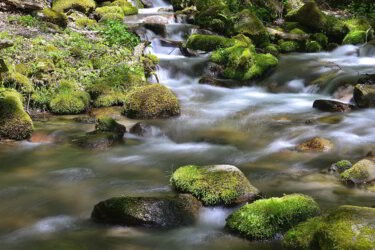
column 44, row 65
column 107, row 124
column 249, row 24
column 208, row 42
column 301, row 237
column 120, row 9
column 298, row 31
column 70, row 102
column 18, row 81
column 152, row 101
column 110, row 99
column 215, row 18
column 15, row 123
column 182, row 4
column 348, row 227
column 214, row 185
column 289, row 46
column 361, row 173
column 310, row 16
column 313, row 46
column 364, row 95
column 163, row 212
column 85, row 6
column 264, row 219
column 321, row 39
column 316, row 144
column 52, row 16
column 355, row 37
column 340, row 166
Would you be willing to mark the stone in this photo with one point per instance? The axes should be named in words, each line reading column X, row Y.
column 332, row 106
column 340, row 166
column 362, row 172
column 364, row 95
column 165, row 212
column 316, row 144
column 23, row 5
column 215, row 184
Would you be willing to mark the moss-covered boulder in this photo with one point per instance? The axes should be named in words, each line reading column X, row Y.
column 364, row 95
column 169, row 212
column 85, row 6
column 313, row 46
column 68, row 101
column 208, row 42
column 117, row 8
column 214, row 185
column 347, row 227
column 216, row 18
column 152, row 101
column 248, row 23
column 340, row 166
column 355, row 37
column 264, row 219
column 361, row 173
column 52, row 16
column 310, row 16
column 289, row 46
column 15, row 123
column 316, row 144
column 18, row 81
column 107, row 124
column 301, row 237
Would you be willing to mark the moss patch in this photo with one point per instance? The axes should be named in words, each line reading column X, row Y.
column 360, row 173
column 355, row 37
column 214, row 185
column 70, row 102
column 208, row 42
column 85, row 6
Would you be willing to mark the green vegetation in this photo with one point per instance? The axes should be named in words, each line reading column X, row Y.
column 117, row 33
column 208, row 42
column 214, row 185
column 263, row 219
column 85, row 6
column 70, row 102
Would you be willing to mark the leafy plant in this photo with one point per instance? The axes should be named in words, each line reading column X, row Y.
column 116, row 33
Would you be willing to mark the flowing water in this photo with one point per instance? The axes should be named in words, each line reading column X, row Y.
column 48, row 189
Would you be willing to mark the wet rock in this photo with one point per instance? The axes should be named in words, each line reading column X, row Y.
column 340, row 166
column 23, row 5
column 264, row 219
column 140, row 129
column 147, row 3
column 215, row 184
column 152, row 101
column 364, row 95
column 217, row 82
column 155, row 19
column 362, row 172
column 15, row 123
column 332, row 106
column 107, row 133
column 331, row 119
column 213, row 70
column 347, row 227
column 148, row 211
column 316, row 144
column 158, row 28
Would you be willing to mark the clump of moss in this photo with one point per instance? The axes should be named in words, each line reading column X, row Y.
column 298, row 31
column 313, row 46
column 150, row 63
column 321, row 39
column 340, row 166
column 208, row 42
column 86, row 23
column 214, row 185
column 289, row 46
column 360, row 173
column 15, row 123
column 316, row 144
column 107, row 124
column 152, row 101
column 52, row 16
column 263, row 219
column 18, row 81
column 119, row 8
column 68, row 101
column 355, row 37
column 85, row 6
column 302, row 235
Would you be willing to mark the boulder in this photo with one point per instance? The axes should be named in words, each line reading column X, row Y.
column 316, row 144
column 140, row 129
column 15, row 123
column 23, row 5
column 167, row 212
column 49, row 15
column 152, row 101
column 86, row 6
column 364, row 95
column 347, row 227
column 362, row 172
column 215, row 184
column 208, row 42
column 332, row 106
column 264, row 219
column 310, row 16
column 340, row 166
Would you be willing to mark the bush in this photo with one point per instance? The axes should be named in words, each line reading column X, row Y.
column 116, row 33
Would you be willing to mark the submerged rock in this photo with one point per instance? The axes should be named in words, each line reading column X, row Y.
column 332, row 106
column 340, row 166
column 364, row 95
column 361, row 173
column 15, row 123
column 148, row 211
column 214, row 185
column 152, row 101
column 316, row 144
column 140, row 129
column 264, row 219
column 348, row 227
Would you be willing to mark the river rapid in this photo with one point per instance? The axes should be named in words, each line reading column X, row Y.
column 48, row 189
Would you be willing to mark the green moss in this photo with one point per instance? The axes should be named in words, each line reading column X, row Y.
column 18, row 81
column 297, row 31
column 110, row 99
column 152, row 101
column 357, row 24
column 118, row 10
column 311, row 16
column 301, row 237
column 361, row 172
column 313, row 46
column 343, row 165
column 214, row 185
column 86, row 23
column 321, row 39
column 15, row 123
column 262, row 63
column 355, row 37
column 45, row 65
column 208, row 42
column 70, row 102
column 150, row 63
column 335, row 29
column 106, row 124
column 50, row 15
column 348, row 227
column 288, row 26
column 263, row 219
column 85, row 6
column 271, row 48
column 289, row 46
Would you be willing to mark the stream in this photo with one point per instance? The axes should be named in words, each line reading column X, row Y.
column 48, row 190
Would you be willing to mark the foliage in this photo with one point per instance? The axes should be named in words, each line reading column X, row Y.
column 116, row 33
